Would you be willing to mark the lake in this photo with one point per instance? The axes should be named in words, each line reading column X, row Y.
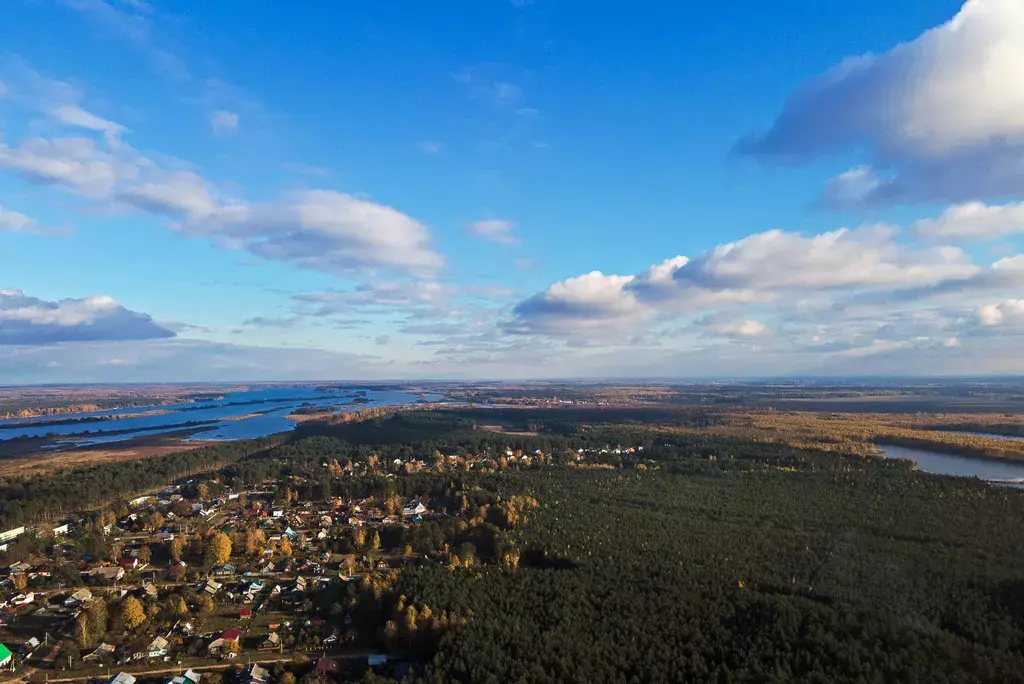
column 945, row 464
column 245, row 414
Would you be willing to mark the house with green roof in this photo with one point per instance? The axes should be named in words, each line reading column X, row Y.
column 5, row 656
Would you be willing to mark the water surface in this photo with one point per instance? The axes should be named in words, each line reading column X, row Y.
column 962, row 466
column 244, row 414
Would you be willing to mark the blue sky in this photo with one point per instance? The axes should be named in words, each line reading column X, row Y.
column 498, row 189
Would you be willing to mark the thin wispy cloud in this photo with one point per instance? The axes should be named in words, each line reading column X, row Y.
column 497, row 231
column 224, row 122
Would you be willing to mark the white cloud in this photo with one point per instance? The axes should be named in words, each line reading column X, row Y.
column 15, row 222
column 773, row 281
column 587, row 305
column 223, row 122
column 76, row 163
column 953, row 88
column 483, row 82
column 740, row 328
column 865, row 257
column 429, row 146
column 974, row 221
column 495, row 231
column 850, row 188
column 73, row 115
column 27, row 320
column 317, row 229
column 997, row 313
column 136, row 29
column 946, row 110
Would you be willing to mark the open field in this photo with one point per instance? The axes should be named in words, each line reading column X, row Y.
column 32, row 459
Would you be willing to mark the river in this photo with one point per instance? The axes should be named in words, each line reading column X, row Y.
column 244, row 414
column 1005, row 471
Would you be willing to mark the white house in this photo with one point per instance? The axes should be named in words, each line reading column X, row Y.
column 79, row 597
column 190, row 677
column 415, row 508
column 11, row 535
column 157, row 648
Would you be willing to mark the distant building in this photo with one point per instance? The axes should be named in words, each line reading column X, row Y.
column 11, row 535
column 121, row 678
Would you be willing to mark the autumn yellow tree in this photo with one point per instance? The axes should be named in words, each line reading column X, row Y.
column 393, row 503
column 218, row 549
column 255, row 540
column 82, row 637
column 375, row 541
column 175, row 548
column 203, row 491
column 205, row 604
column 285, row 546
column 19, row 581
column 132, row 612
column 97, row 614
column 177, row 606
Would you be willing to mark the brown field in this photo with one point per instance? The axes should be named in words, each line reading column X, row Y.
column 505, row 431
column 36, row 462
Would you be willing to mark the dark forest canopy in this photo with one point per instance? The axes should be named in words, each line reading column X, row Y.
column 701, row 558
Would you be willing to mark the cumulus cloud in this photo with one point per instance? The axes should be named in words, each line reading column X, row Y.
column 584, row 305
column 223, row 122
column 865, row 257
column 997, row 313
column 27, row 320
column 974, row 221
column 495, row 231
column 736, row 289
column 936, row 109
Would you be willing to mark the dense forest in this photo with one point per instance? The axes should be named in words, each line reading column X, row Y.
column 698, row 558
column 51, row 496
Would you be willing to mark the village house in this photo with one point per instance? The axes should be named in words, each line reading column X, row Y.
column 6, row 657
column 220, row 645
column 19, row 568
column 414, row 508
column 189, row 677
column 109, row 573
column 102, row 651
column 256, row 675
column 78, row 598
column 157, row 648
column 121, row 678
